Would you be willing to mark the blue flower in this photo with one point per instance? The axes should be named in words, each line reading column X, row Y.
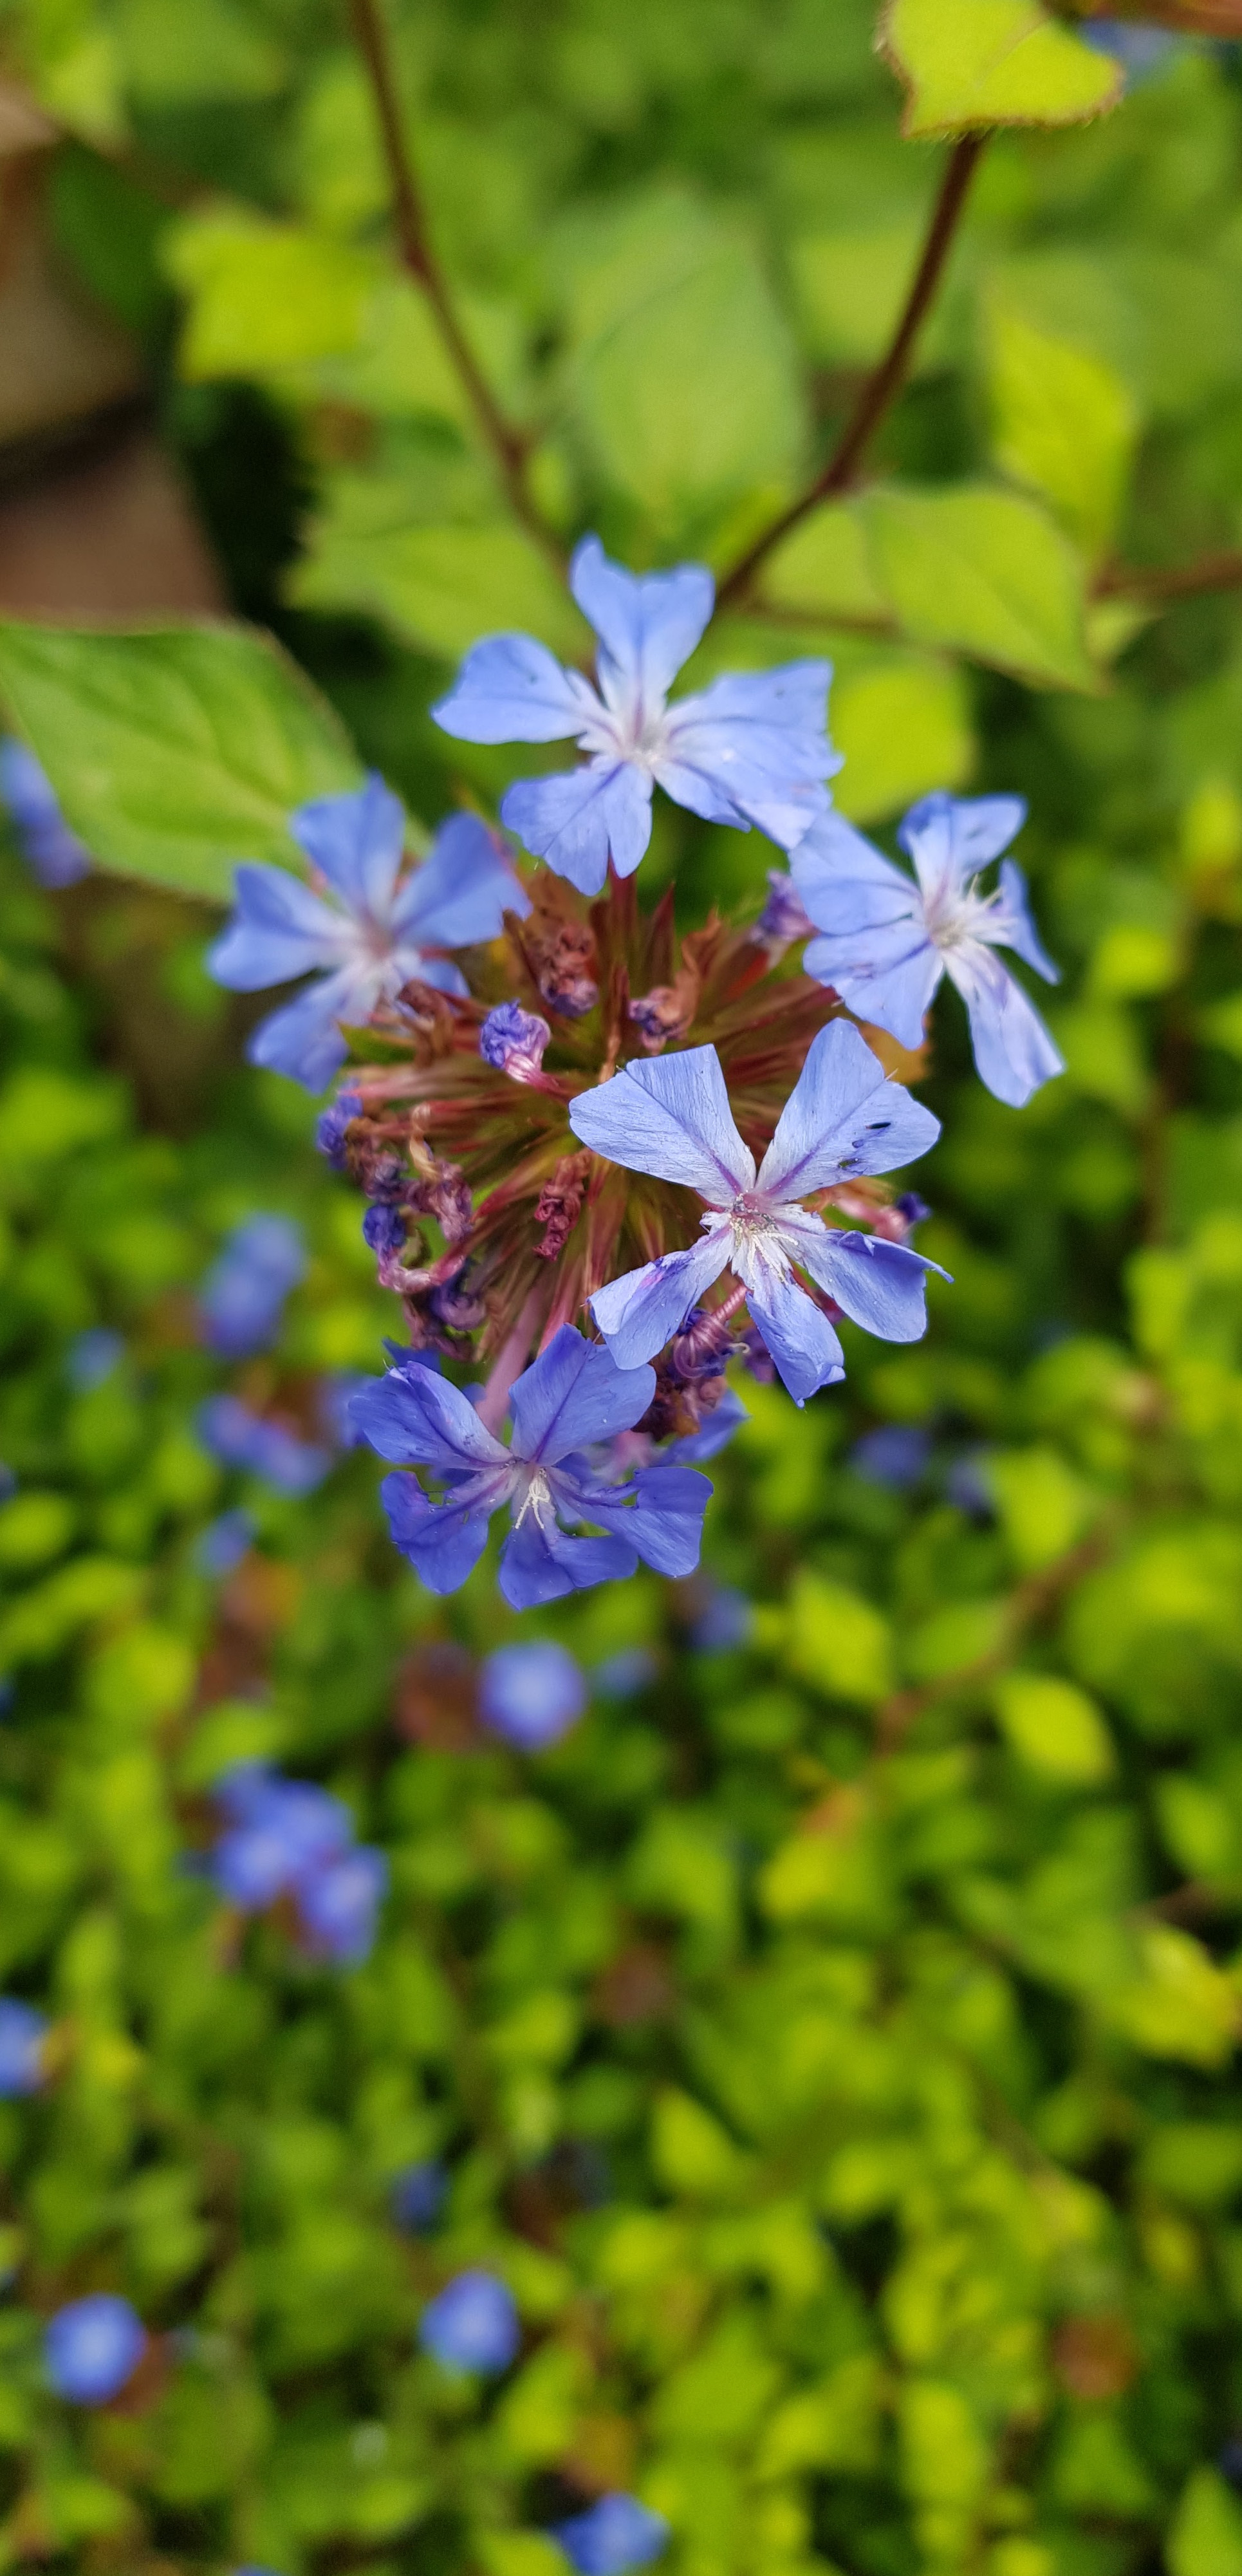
column 338, row 1906
column 612, row 2536
column 844, row 1118
column 22, row 2034
column 1139, row 50
column 531, row 1694
column 887, row 941
column 92, row 2347
column 752, row 748
column 279, row 1834
column 240, row 1438
column 91, row 1357
column 623, row 1675
column 895, row 1455
column 225, row 1541
column 574, row 1394
column 242, row 1297
column 725, row 1621
column 473, row 2325
column 367, row 934
column 332, row 1128
column 51, row 851
column 418, row 2194
column 513, row 1040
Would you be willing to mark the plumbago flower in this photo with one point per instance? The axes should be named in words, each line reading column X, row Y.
column 887, row 940
column 367, row 934
column 844, row 1119
column 750, row 749
column 573, row 1395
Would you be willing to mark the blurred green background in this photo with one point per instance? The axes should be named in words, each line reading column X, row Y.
column 832, row 2042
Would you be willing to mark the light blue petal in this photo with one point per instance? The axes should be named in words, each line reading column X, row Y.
column 842, row 1118
column 950, row 838
column 279, row 930
column 798, row 1334
column 648, row 624
column 1011, row 923
column 574, row 1393
column 462, row 891
column 1013, row 1050
column 845, row 882
column 580, row 819
column 664, row 1521
column 303, row 1040
column 874, row 949
column 726, row 1417
column 669, row 1116
column 894, row 989
column 638, row 1314
column 356, row 840
column 418, row 1419
column 539, row 1563
column 881, row 1286
column 758, row 741
column 443, row 1541
column 409, row 966
column 511, row 689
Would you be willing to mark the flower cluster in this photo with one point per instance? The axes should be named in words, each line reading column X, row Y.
column 286, row 1843
column 602, row 1162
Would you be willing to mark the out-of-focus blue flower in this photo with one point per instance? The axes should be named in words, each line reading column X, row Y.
column 968, row 1486
column 473, row 2325
column 225, row 1541
column 573, row 1395
column 22, row 2034
column 886, row 940
column 844, row 1117
column 752, row 748
column 92, row 1357
column 242, row 1297
column 725, row 1622
column 368, row 933
column 51, row 851
column 240, row 1438
column 332, row 1125
column 336, row 1395
column 1140, row 50
column 895, row 1455
column 92, row 2347
column 623, row 1675
column 612, row 2536
column 716, row 1430
column 513, row 1040
column 783, row 917
column 339, row 1905
column 531, row 1694
column 418, row 2195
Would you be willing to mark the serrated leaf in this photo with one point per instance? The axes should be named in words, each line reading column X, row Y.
column 988, row 573
column 175, row 751
column 264, row 295
column 439, row 586
column 1064, row 423
column 825, row 569
column 971, row 64
column 902, row 722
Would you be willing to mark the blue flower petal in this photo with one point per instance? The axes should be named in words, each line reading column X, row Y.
column 574, row 1393
column 539, row 1563
column 880, row 1285
column 715, row 1433
column 418, row 1419
column 950, row 838
column 442, row 1541
column 462, row 891
column 1013, row 1050
column 798, row 1334
column 278, row 931
column 842, row 1118
column 1012, row 924
column 669, row 1116
column 895, row 986
column 302, row 1039
column 640, row 1312
column 581, row 818
column 511, row 689
column 356, row 840
column 756, row 741
column 648, row 624
column 664, row 1521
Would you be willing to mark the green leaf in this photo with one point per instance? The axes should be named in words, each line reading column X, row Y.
column 825, row 569
column 264, row 295
column 903, row 724
column 1206, row 2539
column 971, row 64
column 1063, row 423
column 988, row 573
column 175, row 751
column 439, row 586
column 838, row 1641
column 176, row 52
column 1054, row 1728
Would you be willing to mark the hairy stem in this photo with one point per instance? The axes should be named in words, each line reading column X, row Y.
column 507, row 442
column 884, row 383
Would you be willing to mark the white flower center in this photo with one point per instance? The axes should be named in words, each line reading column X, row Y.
column 537, row 1497
column 954, row 916
column 751, row 1217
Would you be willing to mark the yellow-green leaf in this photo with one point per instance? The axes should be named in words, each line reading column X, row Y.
column 989, row 573
column 1054, row 1728
column 1064, row 423
column 970, row 64
column 902, row 722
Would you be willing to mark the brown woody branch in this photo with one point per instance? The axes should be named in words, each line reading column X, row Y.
column 1164, row 583
column 506, row 440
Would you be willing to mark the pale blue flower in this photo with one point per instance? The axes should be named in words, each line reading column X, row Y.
column 368, row 932
column 51, row 851
column 531, row 1694
column 612, row 2536
column 473, row 2325
column 22, row 2035
column 886, row 940
column 670, row 1116
column 573, row 1395
column 92, row 2347
column 750, row 749
column 242, row 1298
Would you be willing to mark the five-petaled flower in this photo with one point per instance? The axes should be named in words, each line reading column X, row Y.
column 572, row 1395
column 886, row 941
column 368, row 932
column 751, row 749
column 844, row 1118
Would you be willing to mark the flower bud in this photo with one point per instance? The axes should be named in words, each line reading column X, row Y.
column 513, row 1040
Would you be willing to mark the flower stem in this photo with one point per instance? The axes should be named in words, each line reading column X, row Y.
column 508, row 443
column 884, row 383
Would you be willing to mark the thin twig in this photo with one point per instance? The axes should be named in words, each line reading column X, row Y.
column 884, row 383
column 507, row 442
column 1166, row 582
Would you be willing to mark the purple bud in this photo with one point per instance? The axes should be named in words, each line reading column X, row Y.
column 332, row 1128
column 22, row 2034
column 783, row 917
column 418, row 2196
column 473, row 2325
column 384, row 1229
column 612, row 2536
column 513, row 1040
column 912, row 1210
column 92, row 2347
column 531, row 1694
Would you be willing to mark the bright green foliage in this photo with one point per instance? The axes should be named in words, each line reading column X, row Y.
column 978, row 63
